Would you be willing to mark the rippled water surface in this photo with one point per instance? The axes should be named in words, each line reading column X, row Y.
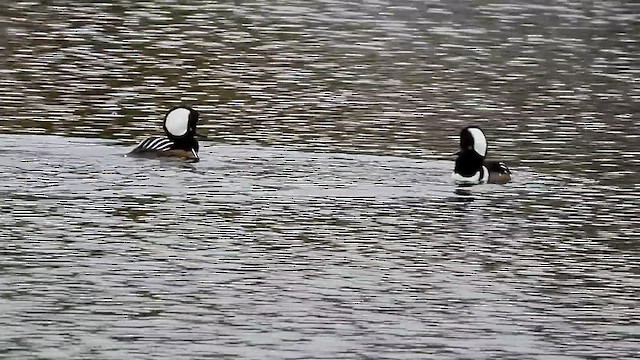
column 322, row 221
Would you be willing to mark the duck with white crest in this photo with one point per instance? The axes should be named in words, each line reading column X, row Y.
column 471, row 166
column 180, row 141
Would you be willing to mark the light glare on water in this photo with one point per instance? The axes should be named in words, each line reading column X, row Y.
column 263, row 251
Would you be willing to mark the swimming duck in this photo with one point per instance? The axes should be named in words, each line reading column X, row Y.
column 471, row 166
column 180, row 141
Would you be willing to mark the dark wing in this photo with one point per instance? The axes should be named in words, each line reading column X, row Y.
column 154, row 143
column 497, row 167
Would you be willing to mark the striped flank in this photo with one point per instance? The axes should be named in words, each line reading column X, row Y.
column 155, row 144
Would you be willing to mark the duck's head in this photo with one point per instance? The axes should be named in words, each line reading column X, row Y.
column 180, row 123
column 472, row 139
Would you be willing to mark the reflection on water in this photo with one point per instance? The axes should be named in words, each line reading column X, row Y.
column 555, row 84
column 321, row 221
column 257, row 251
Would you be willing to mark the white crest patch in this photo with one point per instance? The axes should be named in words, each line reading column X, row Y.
column 177, row 121
column 479, row 141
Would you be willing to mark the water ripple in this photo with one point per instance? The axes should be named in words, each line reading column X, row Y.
column 322, row 221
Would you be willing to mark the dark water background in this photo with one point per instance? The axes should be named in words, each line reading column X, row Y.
column 322, row 221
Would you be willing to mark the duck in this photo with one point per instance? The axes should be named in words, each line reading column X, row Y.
column 471, row 167
column 180, row 141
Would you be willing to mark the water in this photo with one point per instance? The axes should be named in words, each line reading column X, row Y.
column 321, row 221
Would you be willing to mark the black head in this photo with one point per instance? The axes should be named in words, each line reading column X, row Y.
column 180, row 123
column 473, row 149
column 472, row 139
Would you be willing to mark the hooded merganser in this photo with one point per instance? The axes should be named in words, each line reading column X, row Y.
column 180, row 127
column 471, row 167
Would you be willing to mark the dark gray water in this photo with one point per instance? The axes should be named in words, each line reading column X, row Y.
column 322, row 221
